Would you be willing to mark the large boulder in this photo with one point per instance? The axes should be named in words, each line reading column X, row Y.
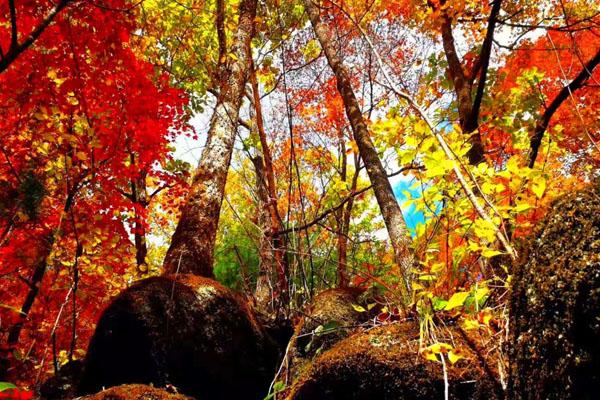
column 185, row 331
column 384, row 363
column 555, row 305
column 135, row 392
column 330, row 317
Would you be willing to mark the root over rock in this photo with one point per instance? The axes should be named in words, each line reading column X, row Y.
column 555, row 305
column 384, row 363
column 189, row 332
column 135, row 392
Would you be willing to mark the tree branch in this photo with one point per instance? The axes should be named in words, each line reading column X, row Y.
column 566, row 91
column 341, row 204
column 484, row 60
column 16, row 49
column 13, row 24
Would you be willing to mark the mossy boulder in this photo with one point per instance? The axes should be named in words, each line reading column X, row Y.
column 329, row 318
column 185, row 331
column 135, row 392
column 384, row 363
column 554, row 345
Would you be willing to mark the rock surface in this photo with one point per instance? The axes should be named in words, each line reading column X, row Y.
column 384, row 363
column 189, row 332
column 555, row 305
column 135, row 392
column 328, row 319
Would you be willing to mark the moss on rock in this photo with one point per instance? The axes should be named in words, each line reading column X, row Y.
column 135, row 392
column 329, row 318
column 554, row 345
column 186, row 331
column 384, row 363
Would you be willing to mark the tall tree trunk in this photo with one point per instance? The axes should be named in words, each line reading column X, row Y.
column 266, row 266
column 277, row 242
column 390, row 210
column 192, row 245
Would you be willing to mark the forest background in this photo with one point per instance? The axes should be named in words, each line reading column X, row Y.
column 480, row 114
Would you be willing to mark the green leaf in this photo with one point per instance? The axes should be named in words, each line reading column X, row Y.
column 278, row 387
column 6, row 386
column 439, row 304
column 330, row 326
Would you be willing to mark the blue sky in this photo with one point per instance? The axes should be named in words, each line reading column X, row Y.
column 411, row 216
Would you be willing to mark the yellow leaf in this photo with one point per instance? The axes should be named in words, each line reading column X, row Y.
column 488, row 253
column 430, row 356
column 539, row 187
column 439, row 347
column 455, row 355
column 470, row 324
column 311, row 50
column 457, row 300
column 358, row 308
column 481, row 293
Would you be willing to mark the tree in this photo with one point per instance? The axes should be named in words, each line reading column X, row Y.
column 192, row 245
column 386, row 199
column 76, row 105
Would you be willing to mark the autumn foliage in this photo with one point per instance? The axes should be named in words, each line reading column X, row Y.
column 403, row 150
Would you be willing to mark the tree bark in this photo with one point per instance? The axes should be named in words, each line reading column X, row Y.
column 344, row 214
column 266, row 267
column 140, row 198
column 39, row 270
column 390, row 210
column 468, row 108
column 192, row 245
column 277, row 242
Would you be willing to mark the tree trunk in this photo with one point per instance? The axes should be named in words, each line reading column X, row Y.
column 139, row 197
column 192, row 245
column 34, row 288
column 390, row 210
column 468, row 108
column 266, row 266
column 277, row 242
